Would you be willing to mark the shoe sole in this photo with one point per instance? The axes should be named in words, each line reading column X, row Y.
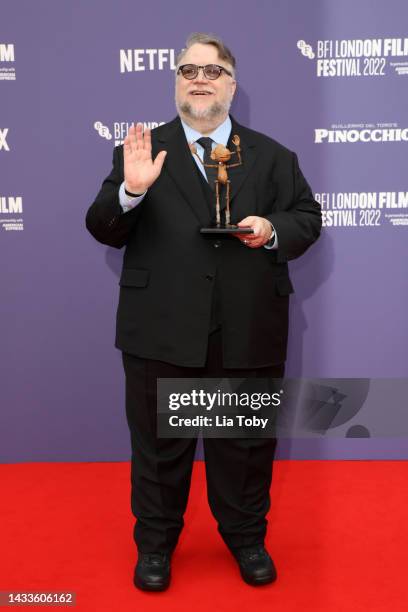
column 258, row 581
column 146, row 586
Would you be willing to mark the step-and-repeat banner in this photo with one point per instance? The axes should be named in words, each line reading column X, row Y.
column 327, row 79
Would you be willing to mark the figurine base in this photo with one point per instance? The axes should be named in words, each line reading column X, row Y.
column 226, row 229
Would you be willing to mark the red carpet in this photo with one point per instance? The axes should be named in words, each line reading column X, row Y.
column 337, row 532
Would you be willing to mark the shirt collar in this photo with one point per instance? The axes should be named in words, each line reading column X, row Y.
column 220, row 135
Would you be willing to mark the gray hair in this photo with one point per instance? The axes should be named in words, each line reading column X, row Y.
column 209, row 39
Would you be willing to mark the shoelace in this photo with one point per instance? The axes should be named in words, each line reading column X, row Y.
column 252, row 554
column 155, row 558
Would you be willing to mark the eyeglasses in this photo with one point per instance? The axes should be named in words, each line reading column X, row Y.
column 210, row 71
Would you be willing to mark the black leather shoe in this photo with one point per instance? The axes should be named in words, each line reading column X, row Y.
column 255, row 564
column 152, row 572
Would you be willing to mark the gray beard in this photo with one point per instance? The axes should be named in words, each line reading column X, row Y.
column 214, row 111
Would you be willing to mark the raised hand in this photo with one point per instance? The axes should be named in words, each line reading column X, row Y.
column 139, row 168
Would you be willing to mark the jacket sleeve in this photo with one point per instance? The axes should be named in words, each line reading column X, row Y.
column 298, row 225
column 105, row 219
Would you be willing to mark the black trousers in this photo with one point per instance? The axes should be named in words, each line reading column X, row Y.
column 239, row 471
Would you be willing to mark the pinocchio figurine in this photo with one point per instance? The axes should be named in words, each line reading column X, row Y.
column 221, row 155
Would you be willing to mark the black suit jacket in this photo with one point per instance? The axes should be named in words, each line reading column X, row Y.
column 170, row 269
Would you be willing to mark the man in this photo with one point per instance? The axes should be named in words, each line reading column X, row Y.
column 192, row 305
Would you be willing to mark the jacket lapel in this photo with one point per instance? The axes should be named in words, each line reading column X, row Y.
column 248, row 153
column 180, row 165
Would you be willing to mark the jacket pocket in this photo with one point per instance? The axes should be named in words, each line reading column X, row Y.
column 134, row 278
column 284, row 286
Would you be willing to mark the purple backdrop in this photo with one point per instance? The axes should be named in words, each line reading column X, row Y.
column 311, row 75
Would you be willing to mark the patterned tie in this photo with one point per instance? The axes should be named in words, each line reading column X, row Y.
column 211, row 173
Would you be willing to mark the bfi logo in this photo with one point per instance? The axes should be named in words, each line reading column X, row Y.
column 6, row 53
